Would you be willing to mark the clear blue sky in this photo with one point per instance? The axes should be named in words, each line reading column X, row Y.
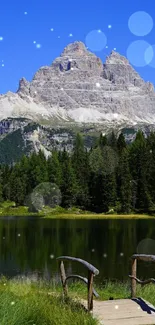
column 19, row 56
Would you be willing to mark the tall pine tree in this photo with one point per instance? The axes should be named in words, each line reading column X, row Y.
column 80, row 165
column 125, row 185
column 68, row 184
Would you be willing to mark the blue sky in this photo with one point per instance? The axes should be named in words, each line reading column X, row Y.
column 24, row 22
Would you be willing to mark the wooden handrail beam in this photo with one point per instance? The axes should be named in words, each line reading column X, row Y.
column 85, row 280
column 92, row 271
column 151, row 280
column 144, row 257
column 89, row 266
column 133, row 276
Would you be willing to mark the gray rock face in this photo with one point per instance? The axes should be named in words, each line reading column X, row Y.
column 24, row 87
column 79, row 88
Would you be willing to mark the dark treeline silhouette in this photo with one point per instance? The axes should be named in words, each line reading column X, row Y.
column 111, row 177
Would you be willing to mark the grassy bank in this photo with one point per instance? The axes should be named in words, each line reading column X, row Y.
column 97, row 216
column 106, row 291
column 23, row 303
column 9, row 209
column 40, row 303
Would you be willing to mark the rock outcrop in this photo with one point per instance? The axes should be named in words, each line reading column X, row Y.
column 79, row 88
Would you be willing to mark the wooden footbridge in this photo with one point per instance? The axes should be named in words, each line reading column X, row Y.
column 134, row 311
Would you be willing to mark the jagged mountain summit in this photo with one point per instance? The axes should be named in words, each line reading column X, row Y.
column 79, row 88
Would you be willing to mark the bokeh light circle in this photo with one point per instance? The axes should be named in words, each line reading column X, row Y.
column 140, row 53
column 148, row 50
column 103, row 161
column 146, row 246
column 140, row 23
column 44, row 195
column 96, row 40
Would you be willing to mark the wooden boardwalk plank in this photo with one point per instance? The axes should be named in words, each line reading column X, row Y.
column 131, row 321
column 123, row 312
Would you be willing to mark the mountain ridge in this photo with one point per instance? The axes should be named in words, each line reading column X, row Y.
column 78, row 88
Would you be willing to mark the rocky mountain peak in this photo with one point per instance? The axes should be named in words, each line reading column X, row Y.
column 116, row 58
column 118, row 70
column 78, row 88
column 77, row 48
column 78, row 60
column 24, row 86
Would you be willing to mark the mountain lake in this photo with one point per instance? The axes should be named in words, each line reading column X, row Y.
column 29, row 246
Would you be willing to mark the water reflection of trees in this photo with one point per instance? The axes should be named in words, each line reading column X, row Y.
column 41, row 241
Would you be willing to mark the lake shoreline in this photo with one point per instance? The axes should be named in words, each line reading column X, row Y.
column 75, row 216
column 8, row 208
column 97, row 216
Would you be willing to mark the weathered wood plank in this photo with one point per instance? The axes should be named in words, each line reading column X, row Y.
column 90, row 290
column 89, row 266
column 133, row 281
column 131, row 321
column 123, row 312
column 143, row 257
column 63, row 278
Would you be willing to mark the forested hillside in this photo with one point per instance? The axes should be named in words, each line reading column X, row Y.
column 112, row 176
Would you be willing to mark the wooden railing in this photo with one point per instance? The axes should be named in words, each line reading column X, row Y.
column 92, row 271
column 133, row 276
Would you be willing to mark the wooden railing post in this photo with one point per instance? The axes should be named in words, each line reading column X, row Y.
column 63, row 278
column 133, row 281
column 92, row 271
column 90, row 290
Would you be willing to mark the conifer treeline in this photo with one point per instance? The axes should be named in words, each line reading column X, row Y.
column 111, row 176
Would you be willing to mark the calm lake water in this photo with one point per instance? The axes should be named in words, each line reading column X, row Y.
column 32, row 245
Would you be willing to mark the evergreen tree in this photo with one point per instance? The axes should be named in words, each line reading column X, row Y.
column 42, row 175
column 112, row 172
column 6, row 172
column 151, row 165
column 17, row 190
column 121, row 144
column 68, row 185
column 125, row 185
column 54, row 169
column 138, row 167
column 33, row 162
column 112, row 141
column 96, row 160
column 103, row 141
column 80, row 164
column 1, row 186
column 24, row 173
column 102, row 185
column 38, row 172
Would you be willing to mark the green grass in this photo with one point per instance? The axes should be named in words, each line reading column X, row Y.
column 23, row 303
column 121, row 291
column 78, row 290
column 115, row 290
column 97, row 216
column 75, row 213
column 8, row 208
